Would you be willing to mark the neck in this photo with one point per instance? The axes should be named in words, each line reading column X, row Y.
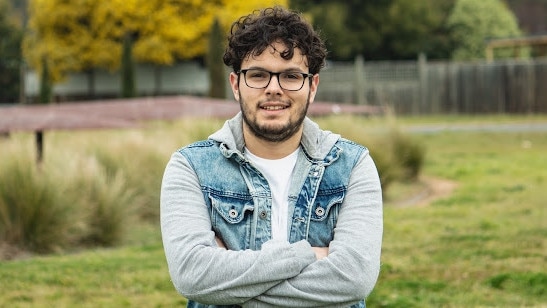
column 271, row 150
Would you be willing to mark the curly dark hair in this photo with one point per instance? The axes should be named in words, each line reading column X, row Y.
column 252, row 34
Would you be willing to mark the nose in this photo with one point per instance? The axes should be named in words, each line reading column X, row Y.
column 274, row 86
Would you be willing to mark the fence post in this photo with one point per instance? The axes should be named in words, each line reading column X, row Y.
column 424, row 87
column 359, row 80
column 531, row 86
column 39, row 137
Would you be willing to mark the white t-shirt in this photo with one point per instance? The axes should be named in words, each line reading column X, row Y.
column 278, row 172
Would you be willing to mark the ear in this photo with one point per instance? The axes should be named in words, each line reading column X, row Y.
column 234, row 83
column 313, row 87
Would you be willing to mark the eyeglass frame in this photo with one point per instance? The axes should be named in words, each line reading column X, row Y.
column 244, row 71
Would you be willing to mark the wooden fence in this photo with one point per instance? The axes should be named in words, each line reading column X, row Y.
column 408, row 87
column 422, row 87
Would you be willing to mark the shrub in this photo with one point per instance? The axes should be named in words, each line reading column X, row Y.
column 109, row 202
column 398, row 157
column 141, row 168
column 384, row 159
column 409, row 154
column 33, row 213
column 62, row 203
column 104, row 199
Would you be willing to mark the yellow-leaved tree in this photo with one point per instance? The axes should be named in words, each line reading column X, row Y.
column 82, row 35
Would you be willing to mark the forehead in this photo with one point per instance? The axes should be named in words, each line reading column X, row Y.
column 271, row 59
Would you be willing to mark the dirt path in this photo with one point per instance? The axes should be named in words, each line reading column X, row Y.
column 429, row 189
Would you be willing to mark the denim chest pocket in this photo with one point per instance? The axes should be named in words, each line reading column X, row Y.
column 324, row 216
column 327, row 204
column 231, row 217
column 231, row 209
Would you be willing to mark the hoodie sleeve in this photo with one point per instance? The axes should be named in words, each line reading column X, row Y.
column 202, row 271
column 349, row 272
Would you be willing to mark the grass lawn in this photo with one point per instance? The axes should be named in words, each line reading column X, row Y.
column 483, row 245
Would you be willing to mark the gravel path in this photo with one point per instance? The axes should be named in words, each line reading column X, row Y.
column 487, row 127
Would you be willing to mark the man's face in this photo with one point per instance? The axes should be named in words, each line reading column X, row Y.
column 273, row 113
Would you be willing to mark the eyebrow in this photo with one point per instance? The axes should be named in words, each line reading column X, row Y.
column 291, row 69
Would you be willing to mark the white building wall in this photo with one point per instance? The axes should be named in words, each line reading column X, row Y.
column 182, row 78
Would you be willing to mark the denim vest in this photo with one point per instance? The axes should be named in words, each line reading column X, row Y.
column 239, row 198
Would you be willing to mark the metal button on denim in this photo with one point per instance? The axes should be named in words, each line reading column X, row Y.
column 232, row 213
column 319, row 211
column 263, row 214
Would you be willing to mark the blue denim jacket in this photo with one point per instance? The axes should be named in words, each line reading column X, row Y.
column 238, row 198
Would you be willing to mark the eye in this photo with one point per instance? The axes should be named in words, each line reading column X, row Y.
column 292, row 76
column 257, row 74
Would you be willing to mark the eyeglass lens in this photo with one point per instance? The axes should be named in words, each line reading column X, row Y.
column 259, row 79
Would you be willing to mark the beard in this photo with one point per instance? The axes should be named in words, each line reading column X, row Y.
column 269, row 132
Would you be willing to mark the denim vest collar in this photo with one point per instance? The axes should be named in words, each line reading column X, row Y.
column 316, row 143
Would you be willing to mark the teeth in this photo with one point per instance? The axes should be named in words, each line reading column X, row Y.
column 274, row 107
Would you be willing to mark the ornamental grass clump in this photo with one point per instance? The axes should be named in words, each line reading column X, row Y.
column 104, row 200
column 409, row 154
column 34, row 215
column 108, row 204
column 64, row 203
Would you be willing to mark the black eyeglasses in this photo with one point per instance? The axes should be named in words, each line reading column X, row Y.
column 260, row 79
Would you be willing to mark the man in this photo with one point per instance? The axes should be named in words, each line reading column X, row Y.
column 271, row 210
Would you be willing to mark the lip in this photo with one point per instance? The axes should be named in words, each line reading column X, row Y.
column 273, row 106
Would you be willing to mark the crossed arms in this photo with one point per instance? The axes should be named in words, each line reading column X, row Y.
column 280, row 274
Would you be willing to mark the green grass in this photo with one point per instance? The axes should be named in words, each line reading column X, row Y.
column 125, row 277
column 484, row 245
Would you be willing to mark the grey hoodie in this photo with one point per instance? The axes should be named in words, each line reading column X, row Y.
column 279, row 274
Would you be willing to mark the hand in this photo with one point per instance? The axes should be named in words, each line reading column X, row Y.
column 219, row 242
column 320, row 252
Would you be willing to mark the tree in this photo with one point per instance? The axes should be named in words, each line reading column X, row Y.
column 63, row 33
column 86, row 34
column 10, row 55
column 379, row 30
column 473, row 22
column 217, row 83
column 330, row 19
column 127, row 71
column 418, row 26
column 45, row 84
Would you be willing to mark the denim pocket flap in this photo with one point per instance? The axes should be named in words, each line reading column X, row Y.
column 324, row 203
column 232, row 209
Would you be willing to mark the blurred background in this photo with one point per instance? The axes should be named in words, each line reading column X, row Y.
column 417, row 57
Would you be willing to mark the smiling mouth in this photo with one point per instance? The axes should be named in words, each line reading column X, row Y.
column 273, row 108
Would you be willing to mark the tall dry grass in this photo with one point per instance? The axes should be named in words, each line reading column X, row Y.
column 90, row 186
column 93, row 184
